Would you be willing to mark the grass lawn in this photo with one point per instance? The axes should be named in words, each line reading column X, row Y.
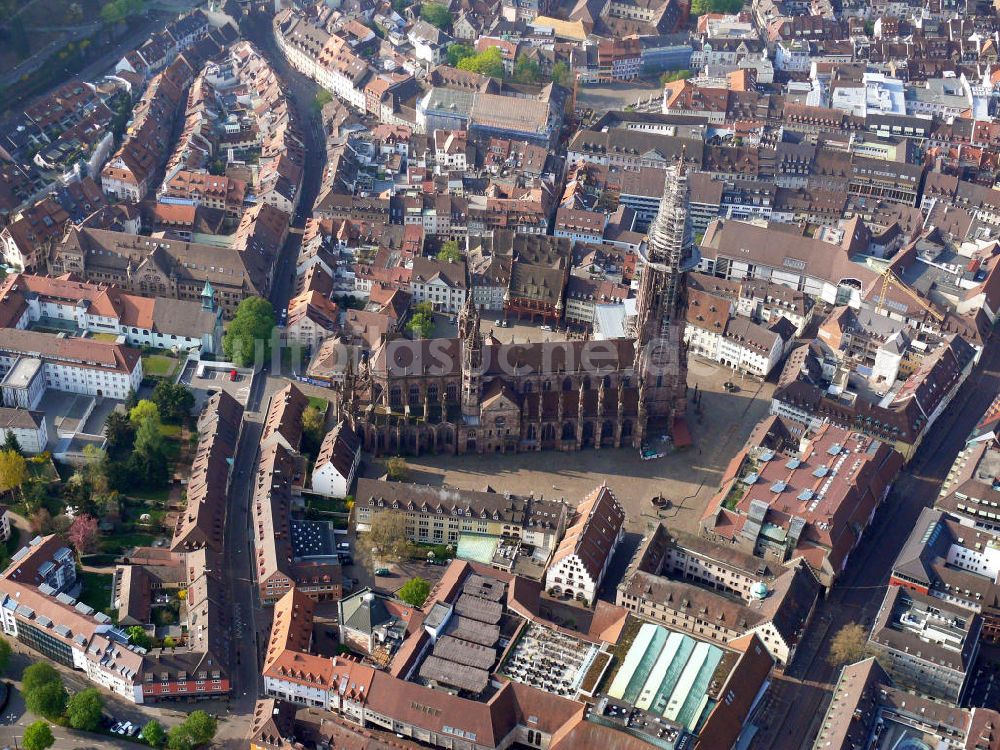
column 151, row 495
column 96, row 590
column 121, row 542
column 8, row 548
column 42, row 470
column 99, row 559
column 167, row 615
column 159, row 366
column 104, row 337
column 136, row 507
column 171, row 441
column 319, row 403
column 327, row 504
column 170, row 431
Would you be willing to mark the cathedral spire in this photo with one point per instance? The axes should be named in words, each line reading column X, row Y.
column 660, row 357
column 669, row 251
column 468, row 319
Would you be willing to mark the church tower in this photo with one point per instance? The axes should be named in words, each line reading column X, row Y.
column 472, row 360
column 208, row 297
column 661, row 359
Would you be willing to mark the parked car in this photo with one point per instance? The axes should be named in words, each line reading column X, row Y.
column 381, row 571
column 116, row 729
column 344, row 546
column 345, row 559
column 234, row 376
column 545, row 328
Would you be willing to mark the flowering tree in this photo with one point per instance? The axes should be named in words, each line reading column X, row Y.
column 83, row 534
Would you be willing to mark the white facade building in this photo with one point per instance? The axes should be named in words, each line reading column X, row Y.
column 337, row 462
column 28, row 427
column 36, row 609
column 92, row 368
column 443, row 284
column 581, row 559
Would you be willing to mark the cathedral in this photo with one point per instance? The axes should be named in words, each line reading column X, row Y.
column 473, row 394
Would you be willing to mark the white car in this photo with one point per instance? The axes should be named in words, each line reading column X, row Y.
column 116, row 728
column 125, row 729
column 545, row 328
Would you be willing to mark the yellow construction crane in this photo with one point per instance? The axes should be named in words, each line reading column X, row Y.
column 887, row 276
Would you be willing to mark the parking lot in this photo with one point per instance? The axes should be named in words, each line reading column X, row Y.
column 363, row 570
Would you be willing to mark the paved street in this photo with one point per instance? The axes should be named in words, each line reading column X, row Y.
column 863, row 584
column 302, row 93
column 250, row 621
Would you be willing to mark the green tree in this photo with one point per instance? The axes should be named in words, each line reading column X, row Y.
column 414, row 592
column 143, row 412
column 436, row 14
column 120, row 434
column 250, row 327
column 180, row 738
column 313, row 422
column 5, row 652
column 488, row 63
column 111, row 13
column 148, row 463
column 48, row 700
column 153, row 734
column 675, row 75
column 12, row 444
column 323, row 97
column 526, row 70
column 137, row 636
column 173, row 400
column 450, row 252
column 421, row 323
column 38, row 736
column 849, row 645
column 149, row 441
column 202, row 727
column 38, row 674
column 93, row 472
column 387, row 535
column 84, row 710
column 700, row 7
column 148, row 438
column 13, row 470
column 397, row 469
column 561, row 74
column 458, row 52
